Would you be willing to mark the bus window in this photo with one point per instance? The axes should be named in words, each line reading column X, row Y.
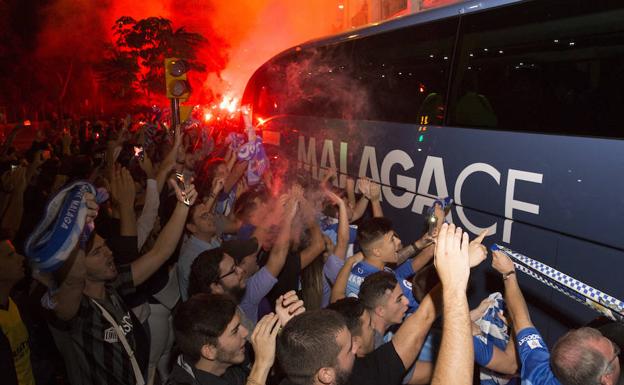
column 406, row 72
column 550, row 67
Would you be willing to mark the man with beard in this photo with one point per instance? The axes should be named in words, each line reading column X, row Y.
column 316, row 348
column 107, row 344
column 212, row 340
column 218, row 271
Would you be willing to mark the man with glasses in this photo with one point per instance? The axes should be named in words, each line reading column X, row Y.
column 581, row 357
column 220, row 270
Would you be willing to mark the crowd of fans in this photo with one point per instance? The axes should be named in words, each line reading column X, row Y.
column 132, row 253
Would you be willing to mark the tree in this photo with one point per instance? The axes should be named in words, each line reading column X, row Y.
column 133, row 65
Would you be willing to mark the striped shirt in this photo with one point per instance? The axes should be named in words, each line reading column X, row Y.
column 96, row 352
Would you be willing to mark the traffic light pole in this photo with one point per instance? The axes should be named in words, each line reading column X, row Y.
column 175, row 112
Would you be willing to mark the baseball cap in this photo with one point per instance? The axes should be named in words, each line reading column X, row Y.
column 240, row 248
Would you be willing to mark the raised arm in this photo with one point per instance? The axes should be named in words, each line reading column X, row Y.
column 170, row 160
column 215, row 189
column 69, row 294
column 263, row 341
column 340, row 286
column 145, row 221
column 375, row 198
column 455, row 363
column 504, row 361
column 513, row 295
column 361, row 205
column 123, row 194
column 167, row 241
column 279, row 251
column 342, row 241
column 237, row 171
column 410, row 337
column 317, row 243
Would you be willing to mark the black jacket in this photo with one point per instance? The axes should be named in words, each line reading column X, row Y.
column 185, row 374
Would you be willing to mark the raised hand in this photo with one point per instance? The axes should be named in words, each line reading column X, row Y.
column 217, row 185
column 287, row 306
column 147, row 166
column 363, row 185
column 263, row 339
column 333, row 197
column 502, row 263
column 451, row 257
column 476, row 250
column 425, row 240
column 122, row 188
column 188, row 196
column 329, row 175
column 92, row 207
column 375, row 191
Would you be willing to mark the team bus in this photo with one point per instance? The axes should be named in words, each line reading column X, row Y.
column 514, row 109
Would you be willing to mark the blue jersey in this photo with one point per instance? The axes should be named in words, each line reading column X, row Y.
column 535, row 359
column 403, row 273
column 329, row 227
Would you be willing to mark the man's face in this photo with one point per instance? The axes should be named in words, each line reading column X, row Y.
column 395, row 306
column 258, row 215
column 388, row 246
column 12, row 263
column 610, row 351
column 367, row 338
column 99, row 262
column 232, row 279
column 346, row 356
column 231, row 344
column 203, row 221
column 249, row 265
column 221, row 171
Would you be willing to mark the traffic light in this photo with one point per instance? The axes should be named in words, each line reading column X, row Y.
column 175, row 78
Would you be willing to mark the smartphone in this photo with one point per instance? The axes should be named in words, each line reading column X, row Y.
column 13, row 167
column 182, row 185
column 432, row 221
column 138, row 152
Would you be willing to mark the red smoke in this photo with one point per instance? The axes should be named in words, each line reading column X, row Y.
column 249, row 32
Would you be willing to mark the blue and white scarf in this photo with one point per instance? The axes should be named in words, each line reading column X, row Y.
column 61, row 228
column 494, row 332
column 258, row 162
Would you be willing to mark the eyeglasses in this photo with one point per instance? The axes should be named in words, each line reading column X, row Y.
column 616, row 354
column 232, row 271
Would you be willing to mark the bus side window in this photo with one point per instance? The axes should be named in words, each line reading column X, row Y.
column 551, row 67
column 406, row 72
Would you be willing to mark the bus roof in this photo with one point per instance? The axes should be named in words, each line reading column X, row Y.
column 459, row 8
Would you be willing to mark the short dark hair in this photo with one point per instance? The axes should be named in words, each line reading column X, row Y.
column 351, row 309
column 200, row 321
column 205, row 271
column 374, row 288
column 424, row 281
column 575, row 361
column 371, row 230
column 246, row 204
column 308, row 343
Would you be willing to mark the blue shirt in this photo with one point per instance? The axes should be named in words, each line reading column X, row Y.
column 535, row 359
column 331, row 268
column 190, row 249
column 257, row 287
column 362, row 270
